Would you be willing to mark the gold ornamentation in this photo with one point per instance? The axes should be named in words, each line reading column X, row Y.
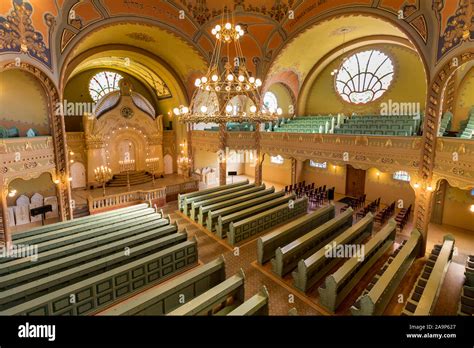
column 459, row 27
column 141, row 37
column 18, row 34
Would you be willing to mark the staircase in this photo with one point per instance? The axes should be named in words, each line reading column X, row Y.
column 136, row 178
column 80, row 211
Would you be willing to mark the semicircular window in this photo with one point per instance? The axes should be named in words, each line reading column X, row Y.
column 103, row 83
column 364, row 77
column 270, row 101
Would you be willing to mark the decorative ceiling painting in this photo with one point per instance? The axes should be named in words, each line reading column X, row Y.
column 457, row 24
column 29, row 26
column 19, row 33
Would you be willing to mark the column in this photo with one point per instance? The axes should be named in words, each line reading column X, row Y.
column 222, row 154
column 190, row 149
column 293, row 171
column 259, row 156
column 4, row 228
column 424, row 196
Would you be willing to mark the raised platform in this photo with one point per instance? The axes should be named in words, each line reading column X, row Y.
column 134, row 178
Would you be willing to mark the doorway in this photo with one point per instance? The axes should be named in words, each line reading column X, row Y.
column 168, row 163
column 78, row 174
column 355, row 182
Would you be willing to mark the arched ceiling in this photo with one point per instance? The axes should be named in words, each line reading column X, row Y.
column 302, row 53
column 120, row 60
column 145, row 67
column 181, row 57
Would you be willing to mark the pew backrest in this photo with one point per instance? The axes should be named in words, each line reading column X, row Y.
column 204, row 303
column 433, row 286
column 182, row 197
column 256, row 305
column 169, row 296
column 99, row 291
column 267, row 244
column 249, row 227
column 287, row 257
column 224, row 221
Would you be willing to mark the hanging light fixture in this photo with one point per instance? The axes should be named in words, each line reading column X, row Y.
column 212, row 101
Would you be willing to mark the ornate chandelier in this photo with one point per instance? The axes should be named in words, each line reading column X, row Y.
column 227, row 93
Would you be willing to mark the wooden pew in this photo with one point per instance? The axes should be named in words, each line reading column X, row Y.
column 92, row 233
column 466, row 302
column 169, row 296
column 195, row 206
column 375, row 299
column 102, row 290
column 219, row 300
column 15, row 295
column 287, row 257
column 205, row 209
column 182, row 197
column 267, row 244
column 78, row 221
column 90, row 225
column 187, row 204
column 126, row 230
column 293, row 312
column 313, row 268
column 224, row 221
column 36, row 271
column 424, row 294
column 256, row 305
column 213, row 215
column 338, row 285
column 249, row 227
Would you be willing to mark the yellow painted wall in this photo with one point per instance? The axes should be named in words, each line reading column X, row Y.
column 283, row 98
column 333, row 176
column 464, row 99
column 456, row 208
column 408, row 85
column 276, row 173
column 205, row 159
column 42, row 185
column 388, row 189
column 15, row 110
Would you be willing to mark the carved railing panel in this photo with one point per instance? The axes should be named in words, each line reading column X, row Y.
column 455, row 162
column 205, row 141
column 384, row 153
column 26, row 158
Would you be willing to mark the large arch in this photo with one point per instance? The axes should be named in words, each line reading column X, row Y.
column 362, row 25
column 57, row 130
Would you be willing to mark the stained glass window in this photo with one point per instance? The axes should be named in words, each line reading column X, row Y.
column 364, row 77
column 270, row 101
column 103, row 83
column 276, row 159
column 401, row 175
column 322, row 165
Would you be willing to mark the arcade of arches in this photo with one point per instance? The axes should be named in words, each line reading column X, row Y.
column 376, row 114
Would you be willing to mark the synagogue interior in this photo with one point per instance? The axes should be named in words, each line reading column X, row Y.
column 237, row 158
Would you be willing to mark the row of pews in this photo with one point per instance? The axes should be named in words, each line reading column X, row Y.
column 205, row 290
column 424, row 294
column 242, row 210
column 466, row 304
column 302, row 248
column 86, row 264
